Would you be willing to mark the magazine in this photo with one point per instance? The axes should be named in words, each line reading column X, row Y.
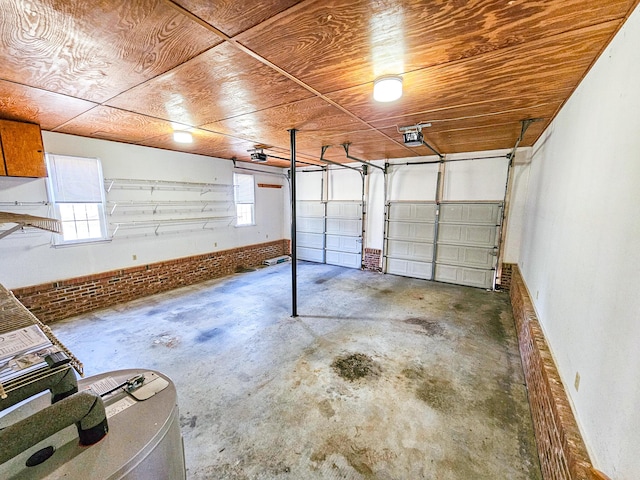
column 23, row 351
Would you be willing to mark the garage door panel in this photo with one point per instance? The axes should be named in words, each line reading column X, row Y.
column 464, row 276
column 410, row 236
column 310, row 209
column 343, row 244
column 310, row 225
column 416, row 232
column 310, row 254
column 410, row 250
column 344, row 210
column 339, row 226
column 409, row 268
column 330, row 232
column 466, row 246
column 474, row 235
column 470, row 213
column 466, row 239
column 412, row 212
column 343, row 233
column 343, row 259
column 470, row 256
column 312, row 240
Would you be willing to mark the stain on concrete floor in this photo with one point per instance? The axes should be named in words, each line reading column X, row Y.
column 260, row 397
column 356, row 366
column 429, row 327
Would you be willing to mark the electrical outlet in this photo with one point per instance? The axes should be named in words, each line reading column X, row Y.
column 215, row 244
column 537, row 293
column 576, row 382
column 135, row 257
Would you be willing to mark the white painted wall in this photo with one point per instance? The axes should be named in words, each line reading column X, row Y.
column 344, row 185
column 29, row 259
column 476, row 179
column 374, row 222
column 515, row 221
column 580, row 254
column 411, row 182
column 309, row 185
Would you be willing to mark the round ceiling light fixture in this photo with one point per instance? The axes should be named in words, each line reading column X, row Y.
column 182, row 136
column 387, row 88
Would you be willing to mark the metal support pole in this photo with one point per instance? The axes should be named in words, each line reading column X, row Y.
column 294, row 254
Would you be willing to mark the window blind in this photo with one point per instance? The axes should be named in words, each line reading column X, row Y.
column 75, row 179
column 244, row 188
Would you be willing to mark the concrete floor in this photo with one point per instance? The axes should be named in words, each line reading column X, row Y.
column 380, row 377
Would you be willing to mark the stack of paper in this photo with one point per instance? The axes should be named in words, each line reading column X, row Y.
column 23, row 351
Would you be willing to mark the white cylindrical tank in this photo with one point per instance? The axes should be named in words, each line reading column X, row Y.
column 144, row 439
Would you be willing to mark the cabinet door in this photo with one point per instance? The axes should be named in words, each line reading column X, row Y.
column 22, row 149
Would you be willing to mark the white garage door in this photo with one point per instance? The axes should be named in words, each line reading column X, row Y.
column 409, row 240
column 330, row 232
column 466, row 246
column 310, row 230
column 467, row 243
column 343, row 239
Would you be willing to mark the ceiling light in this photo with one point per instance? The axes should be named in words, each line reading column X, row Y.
column 181, row 136
column 387, row 89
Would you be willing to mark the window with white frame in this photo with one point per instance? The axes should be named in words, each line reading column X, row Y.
column 244, row 199
column 76, row 190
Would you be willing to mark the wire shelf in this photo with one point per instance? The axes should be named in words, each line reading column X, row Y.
column 141, row 184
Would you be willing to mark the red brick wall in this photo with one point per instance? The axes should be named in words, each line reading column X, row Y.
column 372, row 259
column 505, row 276
column 560, row 446
column 65, row 298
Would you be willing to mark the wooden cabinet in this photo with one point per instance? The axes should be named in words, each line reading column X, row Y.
column 3, row 169
column 22, row 153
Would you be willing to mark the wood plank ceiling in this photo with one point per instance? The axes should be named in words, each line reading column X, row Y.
column 241, row 74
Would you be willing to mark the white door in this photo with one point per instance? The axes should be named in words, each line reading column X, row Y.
column 330, row 232
column 409, row 239
column 343, row 233
column 310, row 230
column 467, row 243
